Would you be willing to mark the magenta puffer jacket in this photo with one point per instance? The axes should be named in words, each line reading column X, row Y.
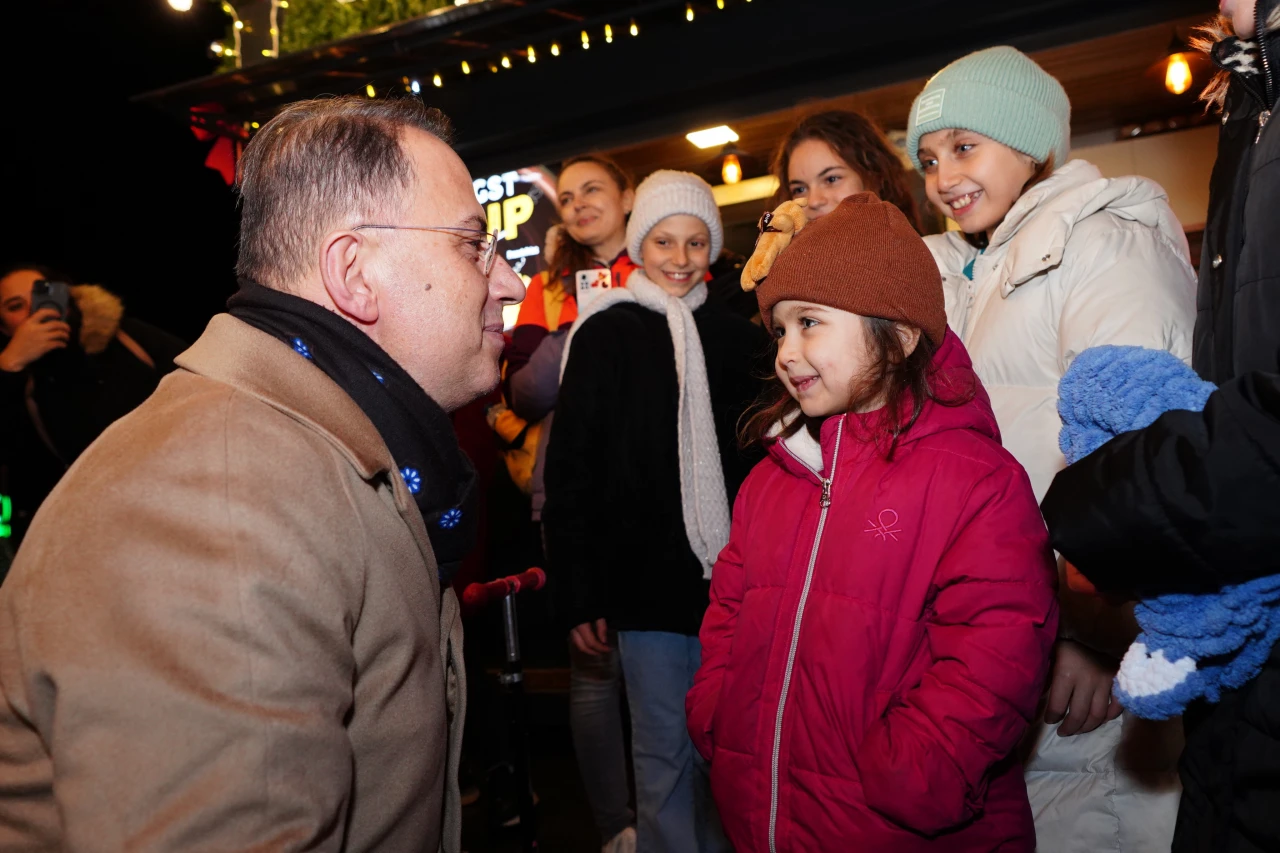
column 878, row 638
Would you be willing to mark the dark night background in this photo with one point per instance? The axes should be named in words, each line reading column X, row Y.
column 109, row 191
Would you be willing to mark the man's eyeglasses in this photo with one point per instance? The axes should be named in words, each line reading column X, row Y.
column 488, row 248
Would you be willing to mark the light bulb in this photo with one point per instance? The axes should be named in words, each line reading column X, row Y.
column 533, row 56
column 731, row 171
column 688, row 12
column 555, row 49
column 608, row 34
column 370, row 91
column 586, row 40
column 436, row 80
column 217, row 48
column 1177, row 77
column 506, row 61
column 239, row 25
column 466, row 67
column 180, row 5
column 635, row 30
column 719, row 4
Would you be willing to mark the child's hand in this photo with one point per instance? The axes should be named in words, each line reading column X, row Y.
column 1080, row 690
column 591, row 639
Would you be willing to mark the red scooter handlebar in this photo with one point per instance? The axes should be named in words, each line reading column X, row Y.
column 480, row 594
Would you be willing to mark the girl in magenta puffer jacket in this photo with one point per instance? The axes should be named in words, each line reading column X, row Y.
column 881, row 619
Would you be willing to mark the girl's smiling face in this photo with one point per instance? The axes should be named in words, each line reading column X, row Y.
column 676, row 253
column 817, row 173
column 822, row 353
column 972, row 178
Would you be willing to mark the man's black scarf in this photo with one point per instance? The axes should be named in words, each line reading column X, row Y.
column 418, row 432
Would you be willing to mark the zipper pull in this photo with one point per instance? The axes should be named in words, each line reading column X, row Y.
column 826, row 493
column 1263, row 118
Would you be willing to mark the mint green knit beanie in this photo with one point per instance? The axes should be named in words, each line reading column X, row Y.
column 999, row 92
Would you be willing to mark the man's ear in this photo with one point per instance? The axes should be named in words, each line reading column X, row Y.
column 343, row 258
column 909, row 336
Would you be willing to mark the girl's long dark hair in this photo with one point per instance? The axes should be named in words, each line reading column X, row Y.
column 568, row 254
column 904, row 382
column 857, row 141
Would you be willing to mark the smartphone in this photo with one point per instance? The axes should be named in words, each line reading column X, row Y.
column 51, row 294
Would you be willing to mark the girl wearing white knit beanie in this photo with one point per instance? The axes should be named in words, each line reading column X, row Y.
column 641, row 471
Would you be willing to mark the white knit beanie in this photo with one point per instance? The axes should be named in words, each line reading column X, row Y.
column 668, row 193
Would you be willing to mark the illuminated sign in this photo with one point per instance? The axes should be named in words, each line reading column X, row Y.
column 6, row 516
column 521, row 205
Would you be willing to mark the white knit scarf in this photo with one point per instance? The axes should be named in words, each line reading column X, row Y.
column 702, row 492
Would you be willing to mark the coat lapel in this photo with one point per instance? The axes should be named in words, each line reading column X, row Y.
column 233, row 352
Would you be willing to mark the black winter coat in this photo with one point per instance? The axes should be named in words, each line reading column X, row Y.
column 1238, row 305
column 1192, row 503
column 613, row 520
column 77, row 393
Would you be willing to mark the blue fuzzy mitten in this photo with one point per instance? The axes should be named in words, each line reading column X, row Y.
column 1191, row 646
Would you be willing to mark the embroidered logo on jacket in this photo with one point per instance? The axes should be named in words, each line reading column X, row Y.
column 887, row 528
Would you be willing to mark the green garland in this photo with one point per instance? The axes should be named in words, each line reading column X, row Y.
column 311, row 22
column 307, row 23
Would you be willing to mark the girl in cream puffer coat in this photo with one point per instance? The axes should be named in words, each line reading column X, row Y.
column 1049, row 263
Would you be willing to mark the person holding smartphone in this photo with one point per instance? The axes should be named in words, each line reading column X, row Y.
column 71, row 364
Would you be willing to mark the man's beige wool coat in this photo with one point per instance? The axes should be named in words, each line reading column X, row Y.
column 224, row 630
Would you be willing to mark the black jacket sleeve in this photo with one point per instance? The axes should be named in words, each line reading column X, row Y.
column 577, row 517
column 1189, row 504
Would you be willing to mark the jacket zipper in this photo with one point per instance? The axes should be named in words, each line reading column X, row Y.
column 1268, row 80
column 825, row 503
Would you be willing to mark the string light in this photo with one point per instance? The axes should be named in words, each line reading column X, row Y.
column 493, row 67
column 217, row 48
column 255, row 125
column 284, row 4
column 436, row 80
column 720, row 5
column 1177, row 77
column 608, row 34
column 586, row 41
column 466, row 67
column 239, row 25
column 688, row 12
column 635, row 30
column 731, row 171
column 180, row 5
column 506, row 61
column 555, row 48
column 533, row 56
column 267, row 52
column 370, row 91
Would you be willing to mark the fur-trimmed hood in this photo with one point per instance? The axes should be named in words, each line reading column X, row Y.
column 100, row 313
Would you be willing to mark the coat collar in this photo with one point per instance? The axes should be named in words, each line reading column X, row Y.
column 1035, row 232
column 233, row 352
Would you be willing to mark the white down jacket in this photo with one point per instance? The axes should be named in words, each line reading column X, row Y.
column 1079, row 261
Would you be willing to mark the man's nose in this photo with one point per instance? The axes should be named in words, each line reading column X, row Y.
column 505, row 285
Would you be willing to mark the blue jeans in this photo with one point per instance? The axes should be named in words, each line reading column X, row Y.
column 674, row 810
column 595, row 717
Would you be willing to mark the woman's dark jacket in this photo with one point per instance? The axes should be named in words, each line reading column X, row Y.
column 76, row 393
column 613, row 519
column 1192, row 503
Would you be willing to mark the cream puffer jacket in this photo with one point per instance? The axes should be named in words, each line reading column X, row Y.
column 1079, row 261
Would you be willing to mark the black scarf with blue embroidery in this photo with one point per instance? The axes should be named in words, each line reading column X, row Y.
column 418, row 432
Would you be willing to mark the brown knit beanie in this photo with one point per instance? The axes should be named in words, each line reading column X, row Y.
column 865, row 258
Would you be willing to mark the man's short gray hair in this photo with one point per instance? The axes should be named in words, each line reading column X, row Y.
column 320, row 165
